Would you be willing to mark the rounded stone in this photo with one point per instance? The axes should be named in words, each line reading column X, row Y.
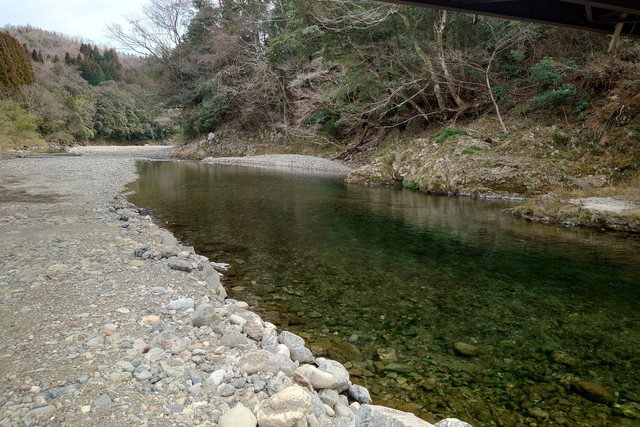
column 238, row 416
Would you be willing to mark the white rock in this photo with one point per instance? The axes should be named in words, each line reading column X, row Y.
column 329, row 374
column 452, row 422
column 154, row 354
column 216, row 377
column 283, row 349
column 181, row 304
column 237, row 320
column 238, row 416
column 360, row 394
column 290, row 407
column 380, row 416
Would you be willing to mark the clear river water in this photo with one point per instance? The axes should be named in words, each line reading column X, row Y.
column 386, row 281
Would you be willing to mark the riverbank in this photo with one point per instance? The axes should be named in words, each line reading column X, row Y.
column 286, row 162
column 108, row 320
column 549, row 167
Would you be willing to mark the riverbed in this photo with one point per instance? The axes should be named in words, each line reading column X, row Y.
column 386, row 281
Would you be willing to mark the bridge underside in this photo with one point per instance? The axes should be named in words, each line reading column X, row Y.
column 602, row 15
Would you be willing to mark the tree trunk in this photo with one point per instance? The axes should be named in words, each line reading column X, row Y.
column 438, row 29
column 426, row 59
column 493, row 98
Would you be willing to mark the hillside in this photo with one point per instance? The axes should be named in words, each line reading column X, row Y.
column 81, row 93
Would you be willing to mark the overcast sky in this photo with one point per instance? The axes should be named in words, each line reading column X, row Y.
column 79, row 18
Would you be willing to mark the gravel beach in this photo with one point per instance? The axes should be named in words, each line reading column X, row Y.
column 107, row 320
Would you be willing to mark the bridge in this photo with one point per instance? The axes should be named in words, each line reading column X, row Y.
column 620, row 17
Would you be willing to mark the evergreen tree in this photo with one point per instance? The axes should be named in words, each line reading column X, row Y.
column 34, row 55
column 92, row 72
column 15, row 67
column 85, row 49
column 111, row 65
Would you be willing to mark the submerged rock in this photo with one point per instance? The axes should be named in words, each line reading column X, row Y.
column 592, row 391
column 464, row 349
column 565, row 359
column 387, row 355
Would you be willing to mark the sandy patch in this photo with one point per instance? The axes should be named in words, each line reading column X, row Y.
column 605, row 204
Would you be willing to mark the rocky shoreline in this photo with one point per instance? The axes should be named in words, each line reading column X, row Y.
column 108, row 320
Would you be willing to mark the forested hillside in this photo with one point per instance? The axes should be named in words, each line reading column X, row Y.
column 363, row 80
column 77, row 93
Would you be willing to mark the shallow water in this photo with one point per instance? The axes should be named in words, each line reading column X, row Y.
column 358, row 271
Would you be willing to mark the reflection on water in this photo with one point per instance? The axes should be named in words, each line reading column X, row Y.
column 386, row 280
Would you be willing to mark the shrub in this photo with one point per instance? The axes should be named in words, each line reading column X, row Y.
column 566, row 95
column 546, row 74
column 18, row 127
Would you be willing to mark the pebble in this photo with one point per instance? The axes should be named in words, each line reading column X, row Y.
column 103, row 401
column 226, row 390
column 151, row 319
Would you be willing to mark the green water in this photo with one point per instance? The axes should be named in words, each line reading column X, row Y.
column 358, row 271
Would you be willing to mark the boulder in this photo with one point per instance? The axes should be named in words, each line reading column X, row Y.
column 180, row 264
column 290, row 407
column 330, row 374
column 264, row 361
column 234, row 339
column 211, row 276
column 253, row 330
column 204, row 315
column 299, row 352
column 381, row 416
column 169, row 251
column 238, row 416
column 360, row 394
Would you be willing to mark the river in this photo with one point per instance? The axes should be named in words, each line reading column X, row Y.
column 386, row 281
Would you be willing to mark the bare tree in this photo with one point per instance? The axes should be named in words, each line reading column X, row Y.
column 504, row 35
column 438, row 31
column 157, row 31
